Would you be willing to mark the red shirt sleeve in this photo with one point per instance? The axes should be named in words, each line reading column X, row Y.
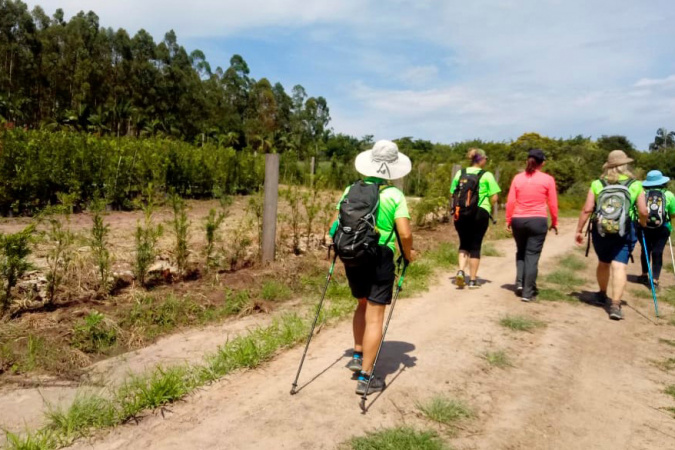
column 553, row 201
column 511, row 201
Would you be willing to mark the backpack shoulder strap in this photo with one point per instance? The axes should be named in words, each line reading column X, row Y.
column 603, row 182
column 629, row 183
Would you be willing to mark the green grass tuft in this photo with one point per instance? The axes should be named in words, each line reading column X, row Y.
column 666, row 295
column 667, row 364
column 670, row 390
column 554, row 295
column 275, row 291
column 445, row 255
column 521, row 323
column 670, row 342
column 564, row 277
column 497, row 358
column 641, row 293
column 572, row 262
column 400, row 438
column 489, row 249
column 444, row 410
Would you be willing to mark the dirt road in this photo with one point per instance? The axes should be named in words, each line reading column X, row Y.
column 583, row 381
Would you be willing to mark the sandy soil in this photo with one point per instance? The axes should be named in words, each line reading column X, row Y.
column 583, row 381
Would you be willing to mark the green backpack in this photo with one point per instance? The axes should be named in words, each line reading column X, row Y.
column 612, row 209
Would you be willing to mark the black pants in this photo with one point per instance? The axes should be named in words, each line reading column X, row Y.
column 656, row 242
column 472, row 231
column 530, row 234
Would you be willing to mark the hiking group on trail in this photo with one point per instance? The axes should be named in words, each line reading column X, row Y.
column 372, row 216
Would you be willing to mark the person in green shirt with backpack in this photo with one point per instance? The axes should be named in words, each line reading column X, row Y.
column 372, row 217
column 614, row 203
column 661, row 211
column 474, row 190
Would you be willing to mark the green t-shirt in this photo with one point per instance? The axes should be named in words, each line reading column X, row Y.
column 486, row 188
column 392, row 206
column 635, row 190
column 670, row 203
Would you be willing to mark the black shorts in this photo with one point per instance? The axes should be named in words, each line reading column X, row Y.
column 376, row 281
column 472, row 231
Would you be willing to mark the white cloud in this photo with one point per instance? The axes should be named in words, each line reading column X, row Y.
column 658, row 82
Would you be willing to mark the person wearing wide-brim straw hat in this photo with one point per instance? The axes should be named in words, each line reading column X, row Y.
column 661, row 211
column 613, row 235
column 372, row 283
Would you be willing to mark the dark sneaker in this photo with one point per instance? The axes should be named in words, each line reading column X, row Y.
column 527, row 299
column 643, row 279
column 519, row 290
column 460, row 279
column 656, row 285
column 355, row 364
column 376, row 385
column 615, row 312
column 473, row 284
column 600, row 298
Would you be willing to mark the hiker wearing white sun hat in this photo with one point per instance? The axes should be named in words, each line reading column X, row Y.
column 370, row 213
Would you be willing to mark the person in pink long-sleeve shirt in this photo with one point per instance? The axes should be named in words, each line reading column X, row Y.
column 526, row 216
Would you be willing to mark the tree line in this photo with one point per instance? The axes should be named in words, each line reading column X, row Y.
column 78, row 75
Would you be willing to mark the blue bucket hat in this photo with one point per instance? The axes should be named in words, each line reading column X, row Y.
column 655, row 178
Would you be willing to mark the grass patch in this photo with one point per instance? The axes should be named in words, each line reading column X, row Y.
column 275, row 291
column 400, row 438
column 666, row 365
column 641, row 293
column 445, row 255
column 95, row 333
column 497, row 358
column 670, row 342
column 564, row 277
column 489, row 249
column 554, row 295
column 572, row 262
column 521, row 323
column 417, row 278
column 666, row 295
column 670, row 390
column 445, row 411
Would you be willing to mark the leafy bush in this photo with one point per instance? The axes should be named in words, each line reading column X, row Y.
column 94, row 334
column 14, row 251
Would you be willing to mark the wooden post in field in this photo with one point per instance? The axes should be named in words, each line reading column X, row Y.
column 495, row 207
column 270, row 206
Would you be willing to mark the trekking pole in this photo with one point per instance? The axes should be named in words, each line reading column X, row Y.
column 670, row 242
column 649, row 268
column 384, row 333
column 316, row 319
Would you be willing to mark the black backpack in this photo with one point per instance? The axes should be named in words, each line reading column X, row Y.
column 656, row 206
column 356, row 238
column 465, row 198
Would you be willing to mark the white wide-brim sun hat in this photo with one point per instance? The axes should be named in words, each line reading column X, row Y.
column 383, row 161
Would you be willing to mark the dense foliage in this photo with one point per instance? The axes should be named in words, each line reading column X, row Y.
column 78, row 75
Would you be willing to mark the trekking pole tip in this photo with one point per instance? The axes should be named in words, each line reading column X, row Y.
column 293, row 391
column 362, row 404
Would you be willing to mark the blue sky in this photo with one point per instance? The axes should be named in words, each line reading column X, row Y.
column 445, row 71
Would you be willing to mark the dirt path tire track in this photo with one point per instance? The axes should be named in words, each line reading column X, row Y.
column 582, row 382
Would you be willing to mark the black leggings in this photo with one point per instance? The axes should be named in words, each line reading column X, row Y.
column 472, row 231
column 656, row 243
column 530, row 234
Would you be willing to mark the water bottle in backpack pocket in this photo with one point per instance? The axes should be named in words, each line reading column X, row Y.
column 356, row 238
column 612, row 209
column 656, row 208
column 465, row 197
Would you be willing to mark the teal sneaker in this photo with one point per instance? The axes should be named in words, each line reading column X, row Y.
column 376, row 385
column 355, row 364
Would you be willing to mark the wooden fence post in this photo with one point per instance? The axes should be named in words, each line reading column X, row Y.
column 270, row 207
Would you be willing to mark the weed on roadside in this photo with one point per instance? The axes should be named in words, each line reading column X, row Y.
column 666, row 365
column 572, row 262
column 564, row 277
column 555, row 295
column 95, row 333
column 445, row 255
column 497, row 358
column 521, row 323
column 641, row 293
column 275, row 291
column 445, row 410
column 400, row 438
column 489, row 249
column 670, row 342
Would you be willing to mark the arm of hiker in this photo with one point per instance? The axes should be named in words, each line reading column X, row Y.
column 553, row 205
column 405, row 233
column 643, row 213
column 586, row 212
